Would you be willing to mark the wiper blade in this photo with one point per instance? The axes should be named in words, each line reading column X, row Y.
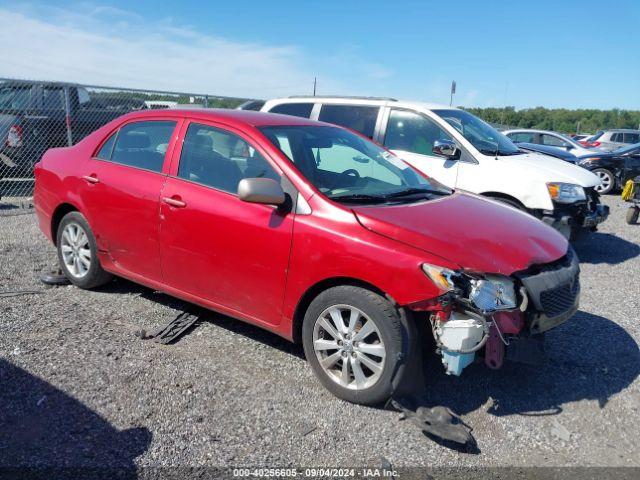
column 414, row 191
column 358, row 198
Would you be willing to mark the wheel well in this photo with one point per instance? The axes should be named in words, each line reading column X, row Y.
column 498, row 195
column 60, row 211
column 316, row 290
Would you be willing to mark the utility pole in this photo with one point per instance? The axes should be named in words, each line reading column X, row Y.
column 314, row 86
column 453, row 90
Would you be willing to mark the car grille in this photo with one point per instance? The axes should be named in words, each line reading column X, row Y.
column 553, row 288
column 561, row 299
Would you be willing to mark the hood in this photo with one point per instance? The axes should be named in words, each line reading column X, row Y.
column 476, row 233
column 548, row 169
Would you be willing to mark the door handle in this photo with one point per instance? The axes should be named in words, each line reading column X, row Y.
column 174, row 201
column 91, row 178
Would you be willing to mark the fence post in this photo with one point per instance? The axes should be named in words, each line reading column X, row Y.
column 67, row 116
column 206, row 101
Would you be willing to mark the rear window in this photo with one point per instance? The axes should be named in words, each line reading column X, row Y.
column 295, row 109
column 358, row 118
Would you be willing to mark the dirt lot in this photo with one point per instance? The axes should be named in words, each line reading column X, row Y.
column 92, row 393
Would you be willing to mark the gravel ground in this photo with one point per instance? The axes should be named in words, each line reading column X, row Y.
column 92, row 393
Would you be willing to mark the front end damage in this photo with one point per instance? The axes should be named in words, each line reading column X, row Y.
column 500, row 316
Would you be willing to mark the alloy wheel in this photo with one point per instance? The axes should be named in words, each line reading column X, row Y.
column 605, row 178
column 349, row 347
column 76, row 251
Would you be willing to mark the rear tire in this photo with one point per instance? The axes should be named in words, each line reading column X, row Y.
column 607, row 178
column 78, row 252
column 355, row 342
column 632, row 215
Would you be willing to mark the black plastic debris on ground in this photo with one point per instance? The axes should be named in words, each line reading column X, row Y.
column 54, row 277
column 173, row 330
column 438, row 423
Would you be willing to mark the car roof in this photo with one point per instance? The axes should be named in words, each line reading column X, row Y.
column 621, row 130
column 355, row 100
column 237, row 117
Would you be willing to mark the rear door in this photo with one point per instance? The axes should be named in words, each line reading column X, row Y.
column 122, row 184
column 361, row 118
column 232, row 254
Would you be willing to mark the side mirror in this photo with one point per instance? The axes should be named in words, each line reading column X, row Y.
column 261, row 190
column 446, row 149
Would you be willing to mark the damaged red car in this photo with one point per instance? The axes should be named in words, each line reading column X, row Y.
column 310, row 231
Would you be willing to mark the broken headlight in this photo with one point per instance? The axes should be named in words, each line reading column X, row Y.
column 442, row 277
column 492, row 293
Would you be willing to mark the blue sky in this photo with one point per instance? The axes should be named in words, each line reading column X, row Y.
column 548, row 53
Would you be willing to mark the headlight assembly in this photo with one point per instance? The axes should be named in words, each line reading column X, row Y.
column 493, row 293
column 566, row 192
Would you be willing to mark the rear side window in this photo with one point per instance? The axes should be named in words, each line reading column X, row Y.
column 142, row 144
column 360, row 119
column 616, row 137
column 219, row 159
column 296, row 109
column 631, row 138
column 107, row 147
column 412, row 132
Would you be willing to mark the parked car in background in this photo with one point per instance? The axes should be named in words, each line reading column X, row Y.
column 33, row 118
column 310, row 231
column 610, row 140
column 581, row 136
column 251, row 105
column 550, row 139
column 555, row 152
column 614, row 168
column 463, row 152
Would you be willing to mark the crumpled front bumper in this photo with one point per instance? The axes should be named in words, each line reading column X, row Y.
column 592, row 219
column 554, row 293
column 585, row 214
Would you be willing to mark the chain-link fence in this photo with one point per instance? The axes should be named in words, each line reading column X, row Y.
column 36, row 116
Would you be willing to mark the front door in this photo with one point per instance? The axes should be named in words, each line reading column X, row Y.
column 230, row 253
column 122, row 184
column 411, row 136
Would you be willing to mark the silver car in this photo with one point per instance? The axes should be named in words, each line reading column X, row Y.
column 614, row 139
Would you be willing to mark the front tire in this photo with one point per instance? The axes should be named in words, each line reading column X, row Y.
column 607, row 178
column 78, row 252
column 354, row 340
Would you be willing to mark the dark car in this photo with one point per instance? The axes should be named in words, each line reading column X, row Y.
column 548, row 150
column 613, row 168
column 36, row 116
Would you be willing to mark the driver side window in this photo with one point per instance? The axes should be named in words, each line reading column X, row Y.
column 412, row 132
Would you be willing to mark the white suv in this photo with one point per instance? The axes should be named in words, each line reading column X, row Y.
column 461, row 151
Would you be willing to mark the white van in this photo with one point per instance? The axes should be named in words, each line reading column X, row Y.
column 463, row 152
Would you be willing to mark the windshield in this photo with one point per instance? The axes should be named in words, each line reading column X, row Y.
column 348, row 168
column 480, row 134
column 14, row 98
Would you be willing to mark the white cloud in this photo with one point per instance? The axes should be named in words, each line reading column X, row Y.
column 105, row 46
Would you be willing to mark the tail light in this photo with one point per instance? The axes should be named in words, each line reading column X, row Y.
column 14, row 137
column 592, row 144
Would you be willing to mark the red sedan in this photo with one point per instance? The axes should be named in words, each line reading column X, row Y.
column 307, row 230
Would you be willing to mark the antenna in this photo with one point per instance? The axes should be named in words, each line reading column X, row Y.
column 314, row 85
column 453, row 90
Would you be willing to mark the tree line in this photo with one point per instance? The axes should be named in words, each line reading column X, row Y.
column 560, row 119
